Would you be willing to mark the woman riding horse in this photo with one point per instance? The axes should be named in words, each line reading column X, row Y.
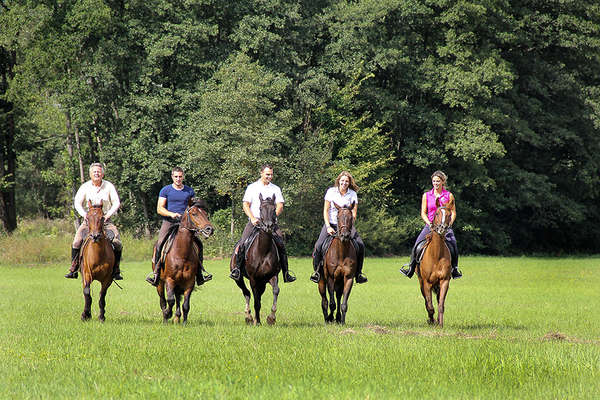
column 342, row 194
column 428, row 209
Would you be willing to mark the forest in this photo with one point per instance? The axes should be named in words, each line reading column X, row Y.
column 503, row 96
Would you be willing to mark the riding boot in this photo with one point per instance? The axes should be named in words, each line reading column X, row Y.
column 409, row 269
column 201, row 275
column 316, row 277
column 360, row 259
column 154, row 277
column 239, row 262
column 283, row 259
column 117, row 268
column 74, row 264
column 454, row 260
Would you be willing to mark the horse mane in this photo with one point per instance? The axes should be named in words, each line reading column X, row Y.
column 200, row 203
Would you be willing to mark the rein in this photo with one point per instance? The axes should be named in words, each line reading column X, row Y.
column 189, row 222
column 442, row 227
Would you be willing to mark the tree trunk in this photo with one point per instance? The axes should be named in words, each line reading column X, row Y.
column 8, row 156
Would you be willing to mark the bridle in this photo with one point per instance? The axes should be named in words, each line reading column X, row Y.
column 96, row 235
column 191, row 226
column 443, row 226
column 344, row 229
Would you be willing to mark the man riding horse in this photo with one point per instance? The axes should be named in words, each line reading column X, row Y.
column 172, row 202
column 251, row 206
column 96, row 191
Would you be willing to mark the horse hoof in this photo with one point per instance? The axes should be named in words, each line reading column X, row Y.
column 101, row 318
column 249, row 320
column 271, row 320
column 176, row 320
column 85, row 317
column 86, row 290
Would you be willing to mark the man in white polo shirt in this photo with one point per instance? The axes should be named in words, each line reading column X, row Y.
column 251, row 206
column 96, row 190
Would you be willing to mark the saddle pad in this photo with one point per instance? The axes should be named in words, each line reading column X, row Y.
column 327, row 243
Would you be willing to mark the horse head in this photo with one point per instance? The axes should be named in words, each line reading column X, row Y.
column 267, row 213
column 345, row 221
column 441, row 220
column 95, row 220
column 195, row 218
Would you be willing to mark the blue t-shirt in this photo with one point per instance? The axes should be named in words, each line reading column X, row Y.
column 177, row 200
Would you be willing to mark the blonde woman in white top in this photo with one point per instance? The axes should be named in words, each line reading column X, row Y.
column 342, row 194
column 97, row 190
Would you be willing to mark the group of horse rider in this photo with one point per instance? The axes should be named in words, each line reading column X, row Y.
column 173, row 201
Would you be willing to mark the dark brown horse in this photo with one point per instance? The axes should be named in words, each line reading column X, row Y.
column 262, row 263
column 97, row 261
column 183, row 261
column 339, row 268
column 434, row 271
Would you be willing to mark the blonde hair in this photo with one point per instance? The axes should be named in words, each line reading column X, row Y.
column 441, row 175
column 347, row 174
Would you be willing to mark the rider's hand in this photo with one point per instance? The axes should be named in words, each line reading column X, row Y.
column 254, row 220
column 330, row 230
column 176, row 216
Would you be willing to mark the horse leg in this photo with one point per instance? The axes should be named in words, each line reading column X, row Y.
column 330, row 291
column 87, row 308
column 186, row 304
column 274, row 282
column 168, row 310
column 426, row 292
column 161, row 295
column 444, row 286
column 242, row 285
column 344, row 306
column 257, row 290
column 177, row 318
column 102, row 301
column 324, row 302
column 338, row 297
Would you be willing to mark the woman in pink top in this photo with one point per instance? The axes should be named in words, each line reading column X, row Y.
column 428, row 209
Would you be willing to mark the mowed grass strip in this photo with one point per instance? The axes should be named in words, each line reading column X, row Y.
column 514, row 327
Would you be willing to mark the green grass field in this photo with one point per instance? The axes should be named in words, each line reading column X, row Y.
column 514, row 328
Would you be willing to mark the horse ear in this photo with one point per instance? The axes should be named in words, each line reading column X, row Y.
column 260, row 197
column 89, row 204
column 191, row 201
column 351, row 206
column 336, row 206
column 272, row 200
column 437, row 202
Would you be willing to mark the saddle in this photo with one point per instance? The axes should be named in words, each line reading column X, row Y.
column 168, row 243
column 419, row 250
column 109, row 235
column 246, row 246
column 327, row 243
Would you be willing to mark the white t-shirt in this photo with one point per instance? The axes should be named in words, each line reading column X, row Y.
column 256, row 188
column 333, row 195
column 105, row 193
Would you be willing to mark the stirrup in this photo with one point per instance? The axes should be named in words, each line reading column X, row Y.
column 72, row 275
column 287, row 277
column 315, row 277
column 406, row 271
column 206, row 277
column 152, row 279
column 235, row 274
column 360, row 278
column 456, row 274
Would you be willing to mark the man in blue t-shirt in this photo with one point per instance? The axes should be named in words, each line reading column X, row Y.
column 172, row 203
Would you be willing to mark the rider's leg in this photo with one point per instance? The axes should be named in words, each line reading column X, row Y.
column 278, row 238
column 154, row 278
column 318, row 254
column 240, row 252
column 453, row 247
column 409, row 269
column 201, row 275
column 360, row 257
column 82, row 232
column 115, row 238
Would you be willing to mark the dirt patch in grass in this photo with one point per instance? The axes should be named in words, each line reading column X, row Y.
column 382, row 330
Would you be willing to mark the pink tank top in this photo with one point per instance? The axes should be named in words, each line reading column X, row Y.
column 431, row 207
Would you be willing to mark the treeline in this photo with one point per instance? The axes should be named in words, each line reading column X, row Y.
column 504, row 96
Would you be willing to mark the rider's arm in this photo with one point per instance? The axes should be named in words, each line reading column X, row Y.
column 248, row 212
column 326, row 206
column 115, row 202
column 424, row 216
column 161, row 209
column 278, row 209
column 79, row 201
column 453, row 209
column 355, row 211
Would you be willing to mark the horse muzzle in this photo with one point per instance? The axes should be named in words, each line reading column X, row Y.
column 207, row 231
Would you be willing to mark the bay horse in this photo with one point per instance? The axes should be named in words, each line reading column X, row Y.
column 97, row 261
column 435, row 269
column 182, row 261
column 262, row 263
column 339, row 268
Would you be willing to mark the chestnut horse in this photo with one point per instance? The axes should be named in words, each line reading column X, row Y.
column 262, row 263
column 182, row 261
column 97, row 260
column 434, row 271
column 339, row 268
